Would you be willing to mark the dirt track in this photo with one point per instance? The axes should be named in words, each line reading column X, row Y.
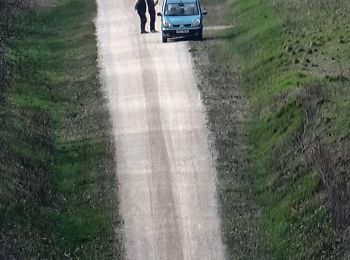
column 165, row 171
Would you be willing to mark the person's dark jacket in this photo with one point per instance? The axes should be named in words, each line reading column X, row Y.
column 141, row 6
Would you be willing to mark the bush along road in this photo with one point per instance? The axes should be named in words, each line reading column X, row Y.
column 56, row 153
column 276, row 89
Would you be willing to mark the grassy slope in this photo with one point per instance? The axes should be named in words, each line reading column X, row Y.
column 293, row 60
column 56, row 155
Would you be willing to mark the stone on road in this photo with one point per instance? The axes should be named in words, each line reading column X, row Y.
column 164, row 168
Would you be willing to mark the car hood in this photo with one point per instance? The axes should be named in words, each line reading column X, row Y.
column 178, row 20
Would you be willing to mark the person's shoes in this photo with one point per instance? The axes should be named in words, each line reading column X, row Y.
column 142, row 32
column 154, row 31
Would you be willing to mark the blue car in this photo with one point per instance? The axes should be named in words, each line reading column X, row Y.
column 182, row 18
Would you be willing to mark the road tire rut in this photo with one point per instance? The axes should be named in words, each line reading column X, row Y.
column 165, row 171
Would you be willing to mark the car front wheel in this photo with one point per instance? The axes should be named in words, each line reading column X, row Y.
column 164, row 39
column 199, row 36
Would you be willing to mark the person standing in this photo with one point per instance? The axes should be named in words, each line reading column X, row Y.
column 152, row 13
column 140, row 7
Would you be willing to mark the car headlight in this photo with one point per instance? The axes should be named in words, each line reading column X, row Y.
column 167, row 23
column 196, row 22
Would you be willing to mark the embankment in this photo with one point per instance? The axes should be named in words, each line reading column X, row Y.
column 286, row 64
column 56, row 152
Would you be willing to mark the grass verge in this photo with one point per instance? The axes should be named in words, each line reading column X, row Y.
column 56, row 159
column 291, row 60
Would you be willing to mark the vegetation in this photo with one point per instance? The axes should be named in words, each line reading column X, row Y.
column 291, row 59
column 56, row 155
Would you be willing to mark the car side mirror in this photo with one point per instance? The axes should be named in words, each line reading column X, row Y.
column 204, row 11
column 159, row 14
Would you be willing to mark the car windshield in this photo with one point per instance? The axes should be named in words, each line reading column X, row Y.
column 181, row 9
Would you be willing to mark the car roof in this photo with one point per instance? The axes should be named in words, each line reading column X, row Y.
column 180, row 1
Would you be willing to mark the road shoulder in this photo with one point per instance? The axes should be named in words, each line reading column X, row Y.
column 227, row 109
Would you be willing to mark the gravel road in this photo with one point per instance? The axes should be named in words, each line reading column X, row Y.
column 165, row 171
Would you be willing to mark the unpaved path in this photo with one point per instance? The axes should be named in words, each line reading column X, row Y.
column 164, row 169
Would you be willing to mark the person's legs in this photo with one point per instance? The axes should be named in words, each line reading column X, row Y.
column 143, row 21
column 152, row 15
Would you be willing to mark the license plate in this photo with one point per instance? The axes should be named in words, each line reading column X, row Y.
column 182, row 31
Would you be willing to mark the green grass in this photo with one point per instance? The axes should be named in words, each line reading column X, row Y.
column 276, row 145
column 57, row 188
column 292, row 59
